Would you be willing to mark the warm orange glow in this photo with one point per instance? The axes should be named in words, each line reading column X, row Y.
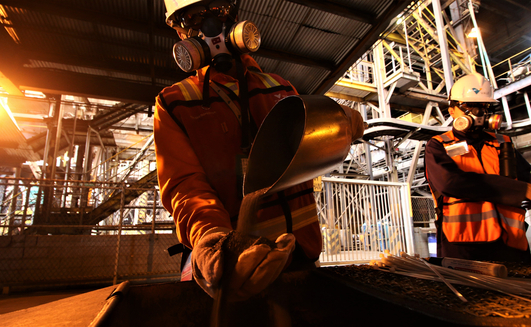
column 7, row 111
column 8, row 86
column 5, row 20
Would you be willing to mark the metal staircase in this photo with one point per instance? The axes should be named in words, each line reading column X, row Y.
column 104, row 184
column 114, row 202
column 420, row 33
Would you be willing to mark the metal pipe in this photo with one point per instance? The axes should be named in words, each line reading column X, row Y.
column 379, row 75
column 26, row 205
column 511, row 70
column 13, row 207
column 528, row 107
column 455, row 15
column 154, row 210
column 443, row 44
column 368, row 156
column 86, row 156
column 47, row 144
column 122, row 203
column 70, row 155
column 507, row 113
column 407, row 45
column 59, row 121
column 481, row 46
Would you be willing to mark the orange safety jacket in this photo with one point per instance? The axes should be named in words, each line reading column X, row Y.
column 199, row 160
column 469, row 221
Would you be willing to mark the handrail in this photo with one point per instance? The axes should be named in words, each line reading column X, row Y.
column 511, row 57
column 357, row 181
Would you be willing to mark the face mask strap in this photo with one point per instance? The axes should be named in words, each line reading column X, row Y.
column 463, row 108
column 206, row 89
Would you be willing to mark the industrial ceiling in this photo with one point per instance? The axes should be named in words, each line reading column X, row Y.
column 122, row 49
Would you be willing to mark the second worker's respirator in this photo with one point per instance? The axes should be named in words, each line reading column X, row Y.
column 477, row 119
column 216, row 44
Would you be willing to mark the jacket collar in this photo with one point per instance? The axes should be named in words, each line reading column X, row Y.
column 248, row 63
column 472, row 137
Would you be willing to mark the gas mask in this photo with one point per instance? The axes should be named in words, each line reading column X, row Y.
column 216, row 43
column 477, row 117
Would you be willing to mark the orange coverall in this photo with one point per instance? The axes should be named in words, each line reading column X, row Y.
column 198, row 159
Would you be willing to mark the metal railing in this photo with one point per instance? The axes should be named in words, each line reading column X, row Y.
column 29, row 204
column 362, row 219
column 515, row 67
column 361, row 72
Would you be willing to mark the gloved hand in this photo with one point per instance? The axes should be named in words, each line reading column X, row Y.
column 251, row 263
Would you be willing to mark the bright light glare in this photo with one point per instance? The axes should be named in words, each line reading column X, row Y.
column 474, row 33
column 4, row 105
column 34, row 94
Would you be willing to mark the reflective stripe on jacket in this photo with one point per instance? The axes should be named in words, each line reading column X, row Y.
column 467, row 221
column 202, row 187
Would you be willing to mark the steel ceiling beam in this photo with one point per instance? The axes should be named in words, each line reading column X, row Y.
column 343, row 11
column 96, row 17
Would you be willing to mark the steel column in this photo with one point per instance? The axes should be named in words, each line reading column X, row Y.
column 443, row 44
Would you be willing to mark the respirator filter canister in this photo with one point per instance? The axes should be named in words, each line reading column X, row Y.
column 196, row 52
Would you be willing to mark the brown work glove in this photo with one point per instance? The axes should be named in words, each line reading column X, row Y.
column 251, row 263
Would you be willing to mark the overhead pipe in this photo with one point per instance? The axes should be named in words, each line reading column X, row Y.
column 486, row 64
column 443, row 44
column 59, row 108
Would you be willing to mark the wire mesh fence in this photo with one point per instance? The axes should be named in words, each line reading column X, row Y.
column 423, row 211
column 47, row 238
column 124, row 235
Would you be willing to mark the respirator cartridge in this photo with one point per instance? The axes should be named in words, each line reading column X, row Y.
column 477, row 117
column 216, row 49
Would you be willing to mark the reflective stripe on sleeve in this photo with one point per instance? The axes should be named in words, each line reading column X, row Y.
column 190, row 90
column 267, row 80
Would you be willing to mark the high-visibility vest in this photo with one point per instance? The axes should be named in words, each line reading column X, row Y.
column 468, row 221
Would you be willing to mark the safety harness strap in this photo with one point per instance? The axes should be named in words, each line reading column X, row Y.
column 272, row 228
column 287, row 211
column 237, row 112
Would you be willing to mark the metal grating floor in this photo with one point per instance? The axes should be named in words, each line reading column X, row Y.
column 481, row 302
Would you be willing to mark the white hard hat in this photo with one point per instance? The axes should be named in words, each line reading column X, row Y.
column 472, row 88
column 172, row 6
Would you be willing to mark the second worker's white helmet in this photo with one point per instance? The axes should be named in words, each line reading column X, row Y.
column 472, row 88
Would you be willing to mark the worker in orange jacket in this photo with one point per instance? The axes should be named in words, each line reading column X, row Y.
column 204, row 127
column 478, row 193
